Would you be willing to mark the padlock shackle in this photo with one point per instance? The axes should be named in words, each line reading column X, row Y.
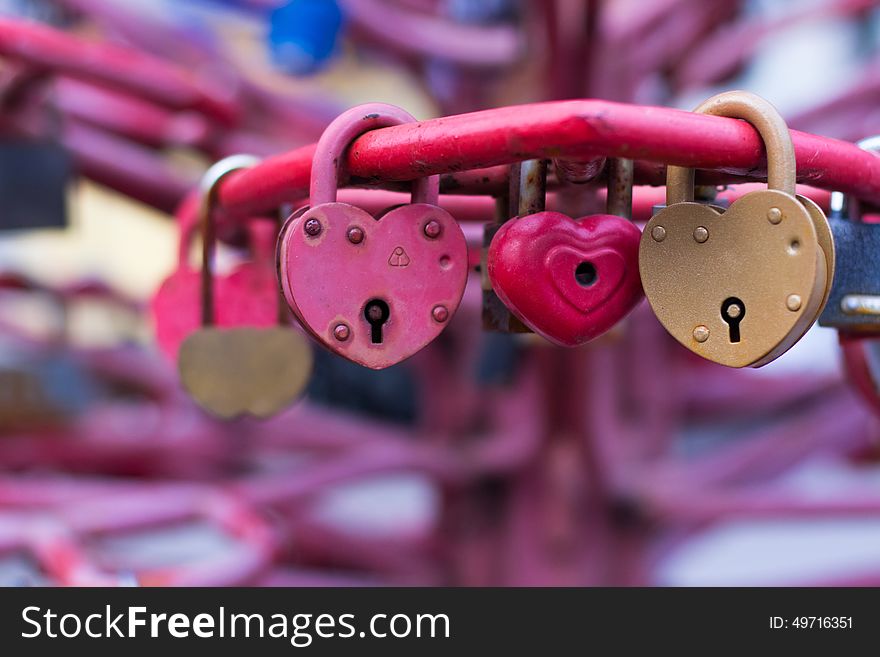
column 781, row 163
column 189, row 224
column 338, row 136
column 842, row 205
column 619, row 198
column 208, row 186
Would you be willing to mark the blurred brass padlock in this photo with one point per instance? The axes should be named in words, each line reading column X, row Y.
column 739, row 287
column 242, row 370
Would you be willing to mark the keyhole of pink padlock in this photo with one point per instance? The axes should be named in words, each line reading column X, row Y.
column 377, row 313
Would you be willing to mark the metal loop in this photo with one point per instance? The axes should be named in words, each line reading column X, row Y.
column 781, row 162
column 208, row 191
column 338, row 136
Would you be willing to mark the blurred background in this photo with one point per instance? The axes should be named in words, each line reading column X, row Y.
column 486, row 459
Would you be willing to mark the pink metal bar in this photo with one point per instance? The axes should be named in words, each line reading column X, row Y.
column 575, row 129
column 122, row 68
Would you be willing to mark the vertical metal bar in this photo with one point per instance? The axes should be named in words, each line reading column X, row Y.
column 527, row 192
column 283, row 312
column 207, row 273
column 532, row 186
column 620, row 188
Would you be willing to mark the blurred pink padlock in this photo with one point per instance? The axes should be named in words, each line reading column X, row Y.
column 246, row 296
column 375, row 291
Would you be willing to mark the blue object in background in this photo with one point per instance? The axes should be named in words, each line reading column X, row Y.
column 303, row 34
column 482, row 12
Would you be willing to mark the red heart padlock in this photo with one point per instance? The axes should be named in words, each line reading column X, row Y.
column 246, row 296
column 569, row 280
column 373, row 291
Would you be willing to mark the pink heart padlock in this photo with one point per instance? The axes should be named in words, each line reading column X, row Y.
column 247, row 296
column 569, row 280
column 373, row 291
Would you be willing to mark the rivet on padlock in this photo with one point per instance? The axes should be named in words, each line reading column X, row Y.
column 854, row 302
column 739, row 287
column 373, row 291
column 244, row 370
column 570, row 280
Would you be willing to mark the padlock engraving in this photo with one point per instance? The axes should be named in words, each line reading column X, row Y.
column 399, row 257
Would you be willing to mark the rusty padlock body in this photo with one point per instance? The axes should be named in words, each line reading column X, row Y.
column 569, row 280
column 246, row 296
column 373, row 291
column 232, row 372
column 739, row 287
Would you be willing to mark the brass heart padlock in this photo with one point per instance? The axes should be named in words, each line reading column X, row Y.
column 238, row 371
column 741, row 286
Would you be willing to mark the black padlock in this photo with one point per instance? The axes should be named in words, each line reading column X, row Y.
column 854, row 302
column 34, row 181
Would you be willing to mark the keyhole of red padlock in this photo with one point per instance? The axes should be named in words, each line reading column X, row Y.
column 585, row 274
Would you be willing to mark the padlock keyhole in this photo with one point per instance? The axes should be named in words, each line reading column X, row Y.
column 376, row 313
column 732, row 312
column 585, row 274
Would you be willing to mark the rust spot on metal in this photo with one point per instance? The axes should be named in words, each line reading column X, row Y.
column 449, row 182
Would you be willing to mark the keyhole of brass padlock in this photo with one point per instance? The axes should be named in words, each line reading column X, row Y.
column 732, row 312
column 585, row 274
column 376, row 313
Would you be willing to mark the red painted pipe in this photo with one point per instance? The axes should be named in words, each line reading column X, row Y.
column 121, row 68
column 576, row 128
column 433, row 36
column 133, row 118
column 134, row 170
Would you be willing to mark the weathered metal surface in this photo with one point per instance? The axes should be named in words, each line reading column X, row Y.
column 375, row 300
column 558, row 129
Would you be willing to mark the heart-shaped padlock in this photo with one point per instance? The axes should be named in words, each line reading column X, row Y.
column 243, row 370
column 373, row 291
column 739, row 287
column 247, row 296
column 569, row 280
